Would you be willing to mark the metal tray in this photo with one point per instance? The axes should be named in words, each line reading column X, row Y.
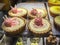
column 55, row 32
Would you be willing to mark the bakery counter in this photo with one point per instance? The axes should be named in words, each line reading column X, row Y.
column 38, row 35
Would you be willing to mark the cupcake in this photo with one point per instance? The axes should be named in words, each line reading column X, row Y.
column 54, row 2
column 37, row 11
column 13, row 26
column 57, row 22
column 55, row 11
column 17, row 12
column 39, row 25
column 51, row 40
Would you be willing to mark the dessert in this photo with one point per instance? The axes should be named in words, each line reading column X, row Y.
column 39, row 25
column 37, row 11
column 57, row 22
column 13, row 26
column 51, row 40
column 54, row 2
column 17, row 12
column 35, row 41
column 20, row 42
column 55, row 11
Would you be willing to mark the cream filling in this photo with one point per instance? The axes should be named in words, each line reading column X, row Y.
column 43, row 13
column 57, row 20
column 16, row 27
column 39, row 29
column 22, row 13
column 55, row 9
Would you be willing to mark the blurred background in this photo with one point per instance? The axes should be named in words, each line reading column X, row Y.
column 8, row 3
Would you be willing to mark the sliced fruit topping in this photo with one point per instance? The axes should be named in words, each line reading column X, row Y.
column 14, row 10
column 38, row 21
column 9, row 22
column 34, row 12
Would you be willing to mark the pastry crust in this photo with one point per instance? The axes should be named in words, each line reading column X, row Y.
column 22, row 14
column 43, row 11
column 40, row 32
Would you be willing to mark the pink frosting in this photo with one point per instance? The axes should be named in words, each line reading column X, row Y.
column 14, row 10
column 34, row 12
column 38, row 21
column 10, row 22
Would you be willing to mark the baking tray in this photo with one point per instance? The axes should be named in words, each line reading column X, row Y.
column 55, row 31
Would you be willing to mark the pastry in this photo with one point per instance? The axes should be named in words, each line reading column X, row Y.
column 13, row 26
column 35, row 41
column 51, row 40
column 17, row 12
column 54, row 2
column 20, row 42
column 39, row 25
column 57, row 22
column 37, row 11
column 55, row 11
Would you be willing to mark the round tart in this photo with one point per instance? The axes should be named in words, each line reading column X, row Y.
column 37, row 11
column 17, row 12
column 39, row 26
column 57, row 22
column 13, row 26
column 55, row 11
column 54, row 2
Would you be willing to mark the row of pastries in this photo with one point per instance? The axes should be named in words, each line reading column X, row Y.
column 16, row 22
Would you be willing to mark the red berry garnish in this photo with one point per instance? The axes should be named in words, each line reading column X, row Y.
column 34, row 12
column 38, row 21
